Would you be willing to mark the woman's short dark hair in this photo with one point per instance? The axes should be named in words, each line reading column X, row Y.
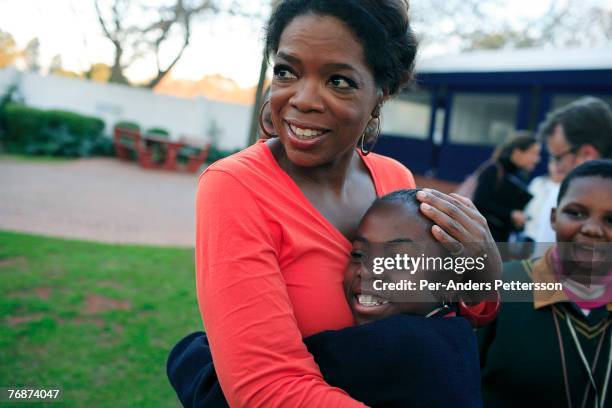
column 585, row 121
column 521, row 140
column 591, row 168
column 382, row 26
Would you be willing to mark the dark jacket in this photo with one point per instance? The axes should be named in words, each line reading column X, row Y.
column 401, row 361
column 501, row 189
column 521, row 351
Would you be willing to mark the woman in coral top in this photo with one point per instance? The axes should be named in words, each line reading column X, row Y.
column 275, row 222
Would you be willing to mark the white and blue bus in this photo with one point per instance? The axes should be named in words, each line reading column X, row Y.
column 461, row 107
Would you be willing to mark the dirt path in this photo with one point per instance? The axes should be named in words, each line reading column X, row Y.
column 104, row 200
column 97, row 199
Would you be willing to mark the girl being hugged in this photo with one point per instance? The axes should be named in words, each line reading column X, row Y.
column 275, row 222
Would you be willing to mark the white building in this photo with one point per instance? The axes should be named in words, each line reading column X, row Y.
column 113, row 103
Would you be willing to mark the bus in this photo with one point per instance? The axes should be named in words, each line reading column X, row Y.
column 459, row 108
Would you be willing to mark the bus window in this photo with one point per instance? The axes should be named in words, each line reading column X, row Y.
column 407, row 116
column 565, row 99
column 483, row 119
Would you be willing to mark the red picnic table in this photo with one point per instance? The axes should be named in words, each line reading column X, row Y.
column 146, row 147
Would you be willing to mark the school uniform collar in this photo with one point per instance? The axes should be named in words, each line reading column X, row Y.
column 541, row 271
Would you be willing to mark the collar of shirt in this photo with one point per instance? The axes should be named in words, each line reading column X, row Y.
column 541, row 271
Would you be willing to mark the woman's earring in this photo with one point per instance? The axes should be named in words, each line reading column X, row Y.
column 370, row 135
column 262, row 125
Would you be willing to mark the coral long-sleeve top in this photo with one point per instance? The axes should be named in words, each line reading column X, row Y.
column 269, row 271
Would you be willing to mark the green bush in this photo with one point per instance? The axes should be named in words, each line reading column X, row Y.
column 127, row 125
column 158, row 132
column 215, row 153
column 9, row 96
column 53, row 132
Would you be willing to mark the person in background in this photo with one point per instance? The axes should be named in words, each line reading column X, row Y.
column 574, row 134
column 544, row 189
column 553, row 348
column 501, row 192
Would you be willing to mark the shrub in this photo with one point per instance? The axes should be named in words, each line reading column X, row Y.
column 10, row 95
column 52, row 132
column 215, row 153
column 127, row 125
column 158, row 132
column 103, row 146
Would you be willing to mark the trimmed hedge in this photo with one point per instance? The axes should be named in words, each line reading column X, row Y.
column 127, row 125
column 53, row 132
column 158, row 132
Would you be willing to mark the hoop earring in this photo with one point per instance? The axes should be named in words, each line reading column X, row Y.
column 363, row 136
column 261, row 124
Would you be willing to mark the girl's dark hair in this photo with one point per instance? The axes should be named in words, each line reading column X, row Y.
column 405, row 196
column 592, row 168
column 521, row 140
column 382, row 26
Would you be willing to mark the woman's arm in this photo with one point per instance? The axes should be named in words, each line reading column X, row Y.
column 257, row 347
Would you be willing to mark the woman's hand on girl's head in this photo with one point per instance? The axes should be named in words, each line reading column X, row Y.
column 462, row 230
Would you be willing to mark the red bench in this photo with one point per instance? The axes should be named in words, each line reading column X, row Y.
column 195, row 152
column 130, row 144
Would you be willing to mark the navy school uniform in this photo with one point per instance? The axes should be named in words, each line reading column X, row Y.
column 401, row 361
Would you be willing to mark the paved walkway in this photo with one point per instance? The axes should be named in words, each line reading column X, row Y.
column 99, row 199
column 104, row 200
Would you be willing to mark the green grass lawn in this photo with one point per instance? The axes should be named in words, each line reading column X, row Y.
column 97, row 320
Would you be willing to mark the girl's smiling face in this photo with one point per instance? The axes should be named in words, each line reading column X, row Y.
column 583, row 220
column 323, row 92
column 388, row 229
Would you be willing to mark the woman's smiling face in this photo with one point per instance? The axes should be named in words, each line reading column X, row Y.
column 323, row 92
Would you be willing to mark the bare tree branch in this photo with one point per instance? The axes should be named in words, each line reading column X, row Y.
column 134, row 40
column 102, row 23
column 476, row 24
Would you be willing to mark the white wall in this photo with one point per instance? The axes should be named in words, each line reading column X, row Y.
column 114, row 103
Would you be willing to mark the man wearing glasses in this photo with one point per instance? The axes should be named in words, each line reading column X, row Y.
column 574, row 134
column 578, row 132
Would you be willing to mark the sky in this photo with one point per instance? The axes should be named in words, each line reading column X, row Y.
column 230, row 46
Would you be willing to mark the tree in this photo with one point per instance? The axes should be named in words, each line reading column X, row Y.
column 99, row 72
column 148, row 30
column 253, row 128
column 472, row 24
column 214, row 132
column 8, row 49
column 56, row 68
column 56, row 64
column 31, row 55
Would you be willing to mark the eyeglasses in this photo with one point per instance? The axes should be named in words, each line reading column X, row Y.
column 558, row 157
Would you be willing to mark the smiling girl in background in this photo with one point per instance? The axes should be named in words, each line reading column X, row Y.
column 556, row 350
